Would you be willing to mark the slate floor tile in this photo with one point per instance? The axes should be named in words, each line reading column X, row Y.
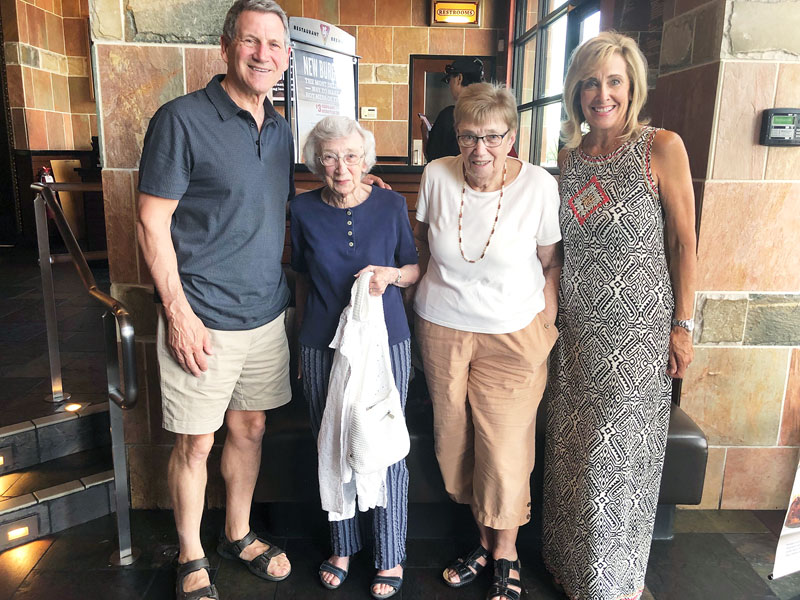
column 118, row 584
column 15, row 564
column 718, row 521
column 759, row 551
column 700, row 566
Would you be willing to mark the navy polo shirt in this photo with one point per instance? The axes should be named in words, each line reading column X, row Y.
column 232, row 183
column 333, row 244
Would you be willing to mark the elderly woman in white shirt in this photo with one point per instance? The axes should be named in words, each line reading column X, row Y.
column 488, row 237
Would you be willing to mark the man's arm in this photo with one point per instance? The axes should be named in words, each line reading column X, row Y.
column 551, row 258
column 187, row 337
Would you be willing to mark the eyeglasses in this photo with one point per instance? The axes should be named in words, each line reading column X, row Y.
column 330, row 160
column 490, row 140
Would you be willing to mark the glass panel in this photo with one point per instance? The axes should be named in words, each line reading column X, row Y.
column 527, row 65
column 524, row 136
column 590, row 26
column 556, row 51
column 551, row 128
column 553, row 4
column 531, row 13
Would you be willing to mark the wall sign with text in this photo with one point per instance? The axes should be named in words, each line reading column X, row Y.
column 455, row 14
column 323, row 76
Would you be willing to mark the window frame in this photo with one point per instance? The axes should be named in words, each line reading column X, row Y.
column 574, row 11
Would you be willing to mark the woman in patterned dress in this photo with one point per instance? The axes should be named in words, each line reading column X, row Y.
column 625, row 319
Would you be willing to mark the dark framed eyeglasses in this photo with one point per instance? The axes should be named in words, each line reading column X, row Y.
column 490, row 140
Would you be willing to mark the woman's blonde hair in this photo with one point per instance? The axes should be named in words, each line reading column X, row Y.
column 585, row 60
column 479, row 102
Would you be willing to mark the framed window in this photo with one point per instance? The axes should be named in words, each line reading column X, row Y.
column 547, row 31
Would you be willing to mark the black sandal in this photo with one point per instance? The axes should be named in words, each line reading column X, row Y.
column 467, row 568
column 328, row 567
column 395, row 582
column 185, row 569
column 502, row 579
column 260, row 564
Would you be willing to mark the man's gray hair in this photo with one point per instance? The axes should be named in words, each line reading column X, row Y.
column 262, row 6
column 336, row 128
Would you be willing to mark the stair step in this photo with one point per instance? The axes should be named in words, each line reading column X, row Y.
column 55, row 495
column 47, row 438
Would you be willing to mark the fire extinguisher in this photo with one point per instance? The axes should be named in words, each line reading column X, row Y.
column 45, row 175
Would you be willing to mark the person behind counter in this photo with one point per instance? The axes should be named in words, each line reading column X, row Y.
column 441, row 139
column 625, row 314
column 340, row 230
column 488, row 233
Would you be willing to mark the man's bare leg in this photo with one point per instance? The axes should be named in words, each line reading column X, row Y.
column 186, row 478
column 241, row 459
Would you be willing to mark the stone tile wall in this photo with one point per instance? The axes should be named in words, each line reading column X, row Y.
column 48, row 70
column 148, row 53
column 722, row 63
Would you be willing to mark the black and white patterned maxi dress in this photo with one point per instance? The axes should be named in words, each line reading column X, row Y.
column 609, row 394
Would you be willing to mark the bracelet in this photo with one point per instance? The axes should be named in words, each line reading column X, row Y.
column 399, row 277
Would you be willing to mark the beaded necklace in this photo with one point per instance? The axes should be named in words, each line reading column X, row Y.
column 461, row 216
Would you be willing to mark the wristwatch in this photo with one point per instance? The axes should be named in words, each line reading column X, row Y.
column 687, row 324
column 399, row 277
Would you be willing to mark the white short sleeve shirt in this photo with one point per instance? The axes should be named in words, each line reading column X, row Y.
column 505, row 291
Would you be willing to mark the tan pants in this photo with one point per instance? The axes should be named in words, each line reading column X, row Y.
column 486, row 389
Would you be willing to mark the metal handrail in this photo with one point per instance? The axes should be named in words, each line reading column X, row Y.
column 126, row 554
column 124, row 399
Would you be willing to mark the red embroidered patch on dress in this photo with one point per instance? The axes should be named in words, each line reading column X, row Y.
column 588, row 199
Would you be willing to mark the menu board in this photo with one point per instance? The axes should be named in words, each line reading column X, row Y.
column 323, row 76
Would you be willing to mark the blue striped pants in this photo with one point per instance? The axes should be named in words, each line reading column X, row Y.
column 388, row 524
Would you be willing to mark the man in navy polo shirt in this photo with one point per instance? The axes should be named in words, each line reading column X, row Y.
column 215, row 176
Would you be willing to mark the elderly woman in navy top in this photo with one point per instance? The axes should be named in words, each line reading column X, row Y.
column 338, row 231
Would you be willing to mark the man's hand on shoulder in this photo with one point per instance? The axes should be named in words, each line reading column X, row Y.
column 188, row 341
column 375, row 180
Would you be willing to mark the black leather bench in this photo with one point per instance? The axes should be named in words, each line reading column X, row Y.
column 289, row 468
column 292, row 478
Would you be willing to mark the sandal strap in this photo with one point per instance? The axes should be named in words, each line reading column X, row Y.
column 191, row 566
column 395, row 582
column 502, row 579
column 263, row 559
column 184, row 569
column 472, row 558
column 469, row 565
column 209, row 591
column 243, row 543
column 328, row 567
column 504, row 592
column 503, row 566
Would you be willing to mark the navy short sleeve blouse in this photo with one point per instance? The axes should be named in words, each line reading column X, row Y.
column 332, row 244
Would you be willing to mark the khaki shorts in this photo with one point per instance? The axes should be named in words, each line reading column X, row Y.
column 486, row 390
column 249, row 370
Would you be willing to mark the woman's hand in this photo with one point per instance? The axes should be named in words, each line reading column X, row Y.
column 681, row 352
column 381, row 278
